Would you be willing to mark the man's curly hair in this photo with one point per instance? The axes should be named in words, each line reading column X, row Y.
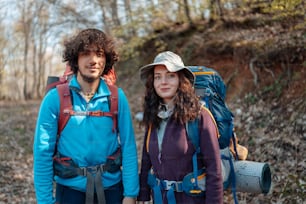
column 83, row 40
column 187, row 106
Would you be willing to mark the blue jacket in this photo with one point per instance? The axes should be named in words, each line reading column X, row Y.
column 87, row 140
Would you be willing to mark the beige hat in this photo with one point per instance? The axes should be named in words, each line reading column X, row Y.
column 173, row 63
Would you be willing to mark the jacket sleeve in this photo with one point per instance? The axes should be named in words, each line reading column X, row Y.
column 129, row 148
column 43, row 147
column 209, row 146
column 144, row 194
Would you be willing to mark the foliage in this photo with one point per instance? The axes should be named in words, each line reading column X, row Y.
column 276, row 89
column 250, row 99
column 40, row 26
column 129, row 49
column 285, row 5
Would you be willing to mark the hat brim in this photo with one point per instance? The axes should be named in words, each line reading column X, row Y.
column 145, row 71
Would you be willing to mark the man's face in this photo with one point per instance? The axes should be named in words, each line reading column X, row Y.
column 91, row 64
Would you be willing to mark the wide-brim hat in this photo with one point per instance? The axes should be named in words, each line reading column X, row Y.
column 171, row 61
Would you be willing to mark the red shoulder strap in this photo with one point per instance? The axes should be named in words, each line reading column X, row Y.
column 65, row 106
column 114, row 105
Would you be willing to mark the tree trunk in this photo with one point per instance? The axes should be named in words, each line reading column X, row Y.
column 34, row 68
column 104, row 16
column 187, row 13
column 129, row 17
column 216, row 10
column 26, row 30
column 114, row 10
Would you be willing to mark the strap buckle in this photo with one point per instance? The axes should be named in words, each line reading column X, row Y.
column 92, row 169
column 176, row 185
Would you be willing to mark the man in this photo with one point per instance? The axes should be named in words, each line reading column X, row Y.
column 87, row 140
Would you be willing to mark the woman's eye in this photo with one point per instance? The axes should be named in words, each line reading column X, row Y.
column 156, row 77
column 170, row 76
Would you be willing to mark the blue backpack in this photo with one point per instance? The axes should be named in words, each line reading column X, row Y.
column 211, row 89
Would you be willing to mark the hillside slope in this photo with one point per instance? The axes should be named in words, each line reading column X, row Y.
column 263, row 65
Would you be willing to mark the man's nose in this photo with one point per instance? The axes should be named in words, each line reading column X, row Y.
column 93, row 57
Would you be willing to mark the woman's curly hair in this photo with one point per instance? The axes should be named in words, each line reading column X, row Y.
column 83, row 40
column 186, row 103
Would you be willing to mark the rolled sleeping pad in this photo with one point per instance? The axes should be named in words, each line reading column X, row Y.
column 52, row 79
column 252, row 177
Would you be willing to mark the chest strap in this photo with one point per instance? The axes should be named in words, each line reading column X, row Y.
column 88, row 113
column 159, row 185
column 66, row 108
column 167, row 185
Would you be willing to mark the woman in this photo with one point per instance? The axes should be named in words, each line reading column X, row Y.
column 169, row 103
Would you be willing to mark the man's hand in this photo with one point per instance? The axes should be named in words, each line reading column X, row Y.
column 128, row 200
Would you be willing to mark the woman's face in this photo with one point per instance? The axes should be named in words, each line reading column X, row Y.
column 165, row 83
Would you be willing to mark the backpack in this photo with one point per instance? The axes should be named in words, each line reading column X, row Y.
column 62, row 86
column 243, row 176
column 238, row 175
column 211, row 89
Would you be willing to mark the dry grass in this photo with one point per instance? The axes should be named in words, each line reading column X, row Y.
column 273, row 131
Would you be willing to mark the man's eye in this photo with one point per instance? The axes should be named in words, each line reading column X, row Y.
column 100, row 54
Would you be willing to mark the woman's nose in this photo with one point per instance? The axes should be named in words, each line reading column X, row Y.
column 164, row 79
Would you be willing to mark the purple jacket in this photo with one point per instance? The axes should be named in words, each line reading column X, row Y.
column 176, row 160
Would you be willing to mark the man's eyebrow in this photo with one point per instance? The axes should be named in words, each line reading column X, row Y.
column 94, row 49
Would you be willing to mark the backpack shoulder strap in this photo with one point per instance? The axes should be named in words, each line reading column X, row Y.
column 148, row 137
column 65, row 106
column 213, row 119
column 192, row 128
column 114, row 105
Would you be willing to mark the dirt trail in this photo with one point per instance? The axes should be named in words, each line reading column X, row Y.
column 274, row 132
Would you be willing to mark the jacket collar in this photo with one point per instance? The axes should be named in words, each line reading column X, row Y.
column 102, row 90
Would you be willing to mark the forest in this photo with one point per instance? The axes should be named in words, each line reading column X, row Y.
column 257, row 46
